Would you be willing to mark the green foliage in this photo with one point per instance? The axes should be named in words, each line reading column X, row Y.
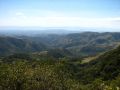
column 44, row 71
column 41, row 75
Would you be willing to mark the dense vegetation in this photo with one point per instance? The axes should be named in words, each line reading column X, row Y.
column 43, row 72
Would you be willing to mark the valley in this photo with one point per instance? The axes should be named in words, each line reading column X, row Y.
column 78, row 61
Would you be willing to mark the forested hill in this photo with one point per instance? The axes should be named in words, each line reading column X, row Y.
column 10, row 45
column 105, row 66
column 78, row 44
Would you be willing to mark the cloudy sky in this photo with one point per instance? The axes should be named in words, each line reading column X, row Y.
column 60, row 13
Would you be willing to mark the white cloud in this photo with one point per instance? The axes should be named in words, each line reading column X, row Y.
column 54, row 19
column 19, row 14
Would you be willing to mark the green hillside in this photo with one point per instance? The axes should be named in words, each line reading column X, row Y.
column 81, row 44
column 40, row 71
column 107, row 65
column 78, row 44
column 10, row 45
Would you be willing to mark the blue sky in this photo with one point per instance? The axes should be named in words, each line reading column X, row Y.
column 60, row 13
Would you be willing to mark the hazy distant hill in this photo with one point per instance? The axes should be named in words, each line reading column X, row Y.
column 78, row 44
column 10, row 45
column 87, row 43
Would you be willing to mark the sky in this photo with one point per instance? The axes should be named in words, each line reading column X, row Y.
column 60, row 13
